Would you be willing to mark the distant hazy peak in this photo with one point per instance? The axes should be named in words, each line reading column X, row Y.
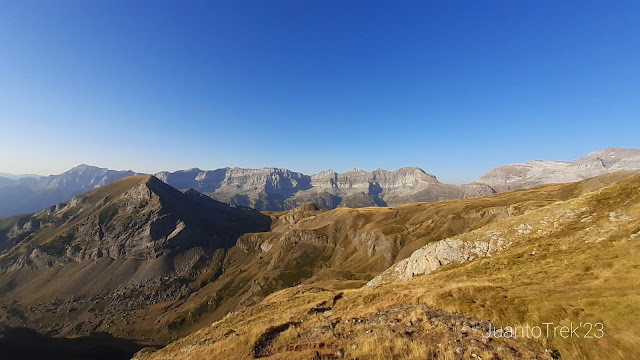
column 537, row 172
column 85, row 168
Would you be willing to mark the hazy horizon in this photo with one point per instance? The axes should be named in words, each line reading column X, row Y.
column 155, row 171
column 453, row 88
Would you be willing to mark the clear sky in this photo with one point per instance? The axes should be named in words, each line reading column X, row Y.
column 453, row 87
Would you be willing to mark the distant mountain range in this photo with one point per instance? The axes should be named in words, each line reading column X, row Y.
column 274, row 189
column 281, row 189
column 518, row 176
column 19, row 176
column 138, row 259
column 29, row 194
column 141, row 260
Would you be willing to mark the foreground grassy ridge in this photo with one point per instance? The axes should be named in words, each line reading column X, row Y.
column 356, row 326
column 586, row 270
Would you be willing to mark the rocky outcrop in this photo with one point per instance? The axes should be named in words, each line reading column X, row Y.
column 586, row 216
column 431, row 257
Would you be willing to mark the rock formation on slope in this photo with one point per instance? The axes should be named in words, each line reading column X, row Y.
column 500, row 235
column 538, row 172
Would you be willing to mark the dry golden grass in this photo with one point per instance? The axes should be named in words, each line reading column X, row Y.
column 583, row 271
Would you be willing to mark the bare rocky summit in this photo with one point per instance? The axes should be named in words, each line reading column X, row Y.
column 538, row 172
column 138, row 217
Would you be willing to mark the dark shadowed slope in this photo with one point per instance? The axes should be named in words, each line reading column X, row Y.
column 78, row 266
column 27, row 344
column 133, row 218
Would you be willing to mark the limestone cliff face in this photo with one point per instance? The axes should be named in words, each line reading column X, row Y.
column 518, row 176
column 280, row 189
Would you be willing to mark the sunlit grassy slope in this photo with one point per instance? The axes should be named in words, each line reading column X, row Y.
column 579, row 263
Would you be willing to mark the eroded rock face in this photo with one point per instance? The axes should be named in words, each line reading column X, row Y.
column 431, row 257
column 279, row 189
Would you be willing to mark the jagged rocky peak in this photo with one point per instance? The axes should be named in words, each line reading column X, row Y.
column 327, row 179
column 167, row 175
column 138, row 217
column 83, row 167
column 88, row 168
column 97, row 176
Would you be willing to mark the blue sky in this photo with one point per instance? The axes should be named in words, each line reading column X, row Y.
column 454, row 87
